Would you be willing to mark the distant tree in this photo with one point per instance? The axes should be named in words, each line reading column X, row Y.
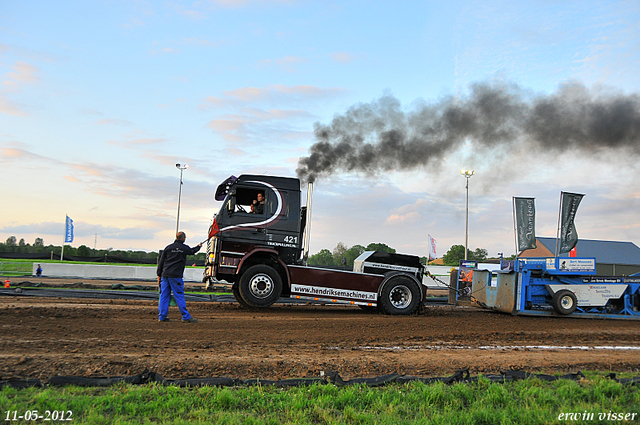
column 22, row 246
column 339, row 252
column 137, row 254
column 11, row 241
column 380, row 247
column 84, row 251
column 352, row 253
column 39, row 242
column 480, row 254
column 456, row 253
column 322, row 258
column 69, row 250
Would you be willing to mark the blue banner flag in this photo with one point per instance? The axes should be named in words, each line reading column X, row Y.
column 68, row 237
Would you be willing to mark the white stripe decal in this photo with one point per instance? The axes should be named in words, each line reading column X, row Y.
column 270, row 219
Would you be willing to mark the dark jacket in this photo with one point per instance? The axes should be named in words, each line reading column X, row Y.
column 174, row 258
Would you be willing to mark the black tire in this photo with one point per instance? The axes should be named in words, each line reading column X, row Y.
column 260, row 286
column 237, row 296
column 564, row 302
column 400, row 295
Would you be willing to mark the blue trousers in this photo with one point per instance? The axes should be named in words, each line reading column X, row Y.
column 175, row 285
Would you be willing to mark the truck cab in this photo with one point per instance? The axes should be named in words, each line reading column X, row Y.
column 241, row 230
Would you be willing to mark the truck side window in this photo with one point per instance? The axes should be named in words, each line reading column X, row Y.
column 272, row 204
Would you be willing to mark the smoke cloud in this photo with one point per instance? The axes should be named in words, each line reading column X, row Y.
column 380, row 136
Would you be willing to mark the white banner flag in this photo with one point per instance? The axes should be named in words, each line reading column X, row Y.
column 432, row 248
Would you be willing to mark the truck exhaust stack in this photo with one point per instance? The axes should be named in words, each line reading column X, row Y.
column 307, row 230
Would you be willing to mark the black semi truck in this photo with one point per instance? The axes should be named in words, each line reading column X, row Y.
column 259, row 243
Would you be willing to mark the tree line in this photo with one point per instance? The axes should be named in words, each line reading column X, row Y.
column 341, row 256
column 38, row 247
column 13, row 245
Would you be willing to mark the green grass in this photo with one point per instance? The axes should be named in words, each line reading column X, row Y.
column 521, row 402
column 15, row 267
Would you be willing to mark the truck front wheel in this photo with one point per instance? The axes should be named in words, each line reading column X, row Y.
column 260, row 286
column 400, row 295
column 237, row 296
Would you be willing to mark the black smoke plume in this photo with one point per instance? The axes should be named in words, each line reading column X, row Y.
column 380, row 136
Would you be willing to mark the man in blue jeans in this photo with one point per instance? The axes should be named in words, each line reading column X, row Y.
column 170, row 271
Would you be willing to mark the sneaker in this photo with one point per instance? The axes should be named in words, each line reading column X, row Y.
column 192, row 320
column 166, row 319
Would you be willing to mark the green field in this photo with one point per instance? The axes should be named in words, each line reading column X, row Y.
column 16, row 267
column 44, row 262
column 24, row 267
column 521, row 402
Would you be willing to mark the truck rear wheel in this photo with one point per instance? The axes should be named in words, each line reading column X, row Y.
column 260, row 286
column 400, row 295
column 237, row 296
column 564, row 302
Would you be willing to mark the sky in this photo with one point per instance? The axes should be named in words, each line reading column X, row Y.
column 100, row 99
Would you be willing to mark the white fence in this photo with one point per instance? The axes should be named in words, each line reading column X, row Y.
column 191, row 274
column 97, row 271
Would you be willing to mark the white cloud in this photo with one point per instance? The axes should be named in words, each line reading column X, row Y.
column 11, row 108
column 402, row 219
column 113, row 121
column 235, row 4
column 23, row 72
column 195, row 41
column 252, row 121
column 145, row 141
column 274, row 94
column 287, row 63
column 342, row 57
column 81, row 229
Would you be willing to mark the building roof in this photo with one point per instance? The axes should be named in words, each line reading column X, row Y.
column 605, row 252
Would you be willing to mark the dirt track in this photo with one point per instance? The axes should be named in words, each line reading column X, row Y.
column 42, row 337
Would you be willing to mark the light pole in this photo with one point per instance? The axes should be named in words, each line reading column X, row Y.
column 467, row 174
column 180, row 167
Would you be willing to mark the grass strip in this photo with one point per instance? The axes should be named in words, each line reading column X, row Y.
column 521, row 402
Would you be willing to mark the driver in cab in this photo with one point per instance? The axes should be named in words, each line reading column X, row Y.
column 257, row 207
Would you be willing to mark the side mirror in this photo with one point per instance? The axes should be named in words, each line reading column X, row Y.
column 231, row 204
